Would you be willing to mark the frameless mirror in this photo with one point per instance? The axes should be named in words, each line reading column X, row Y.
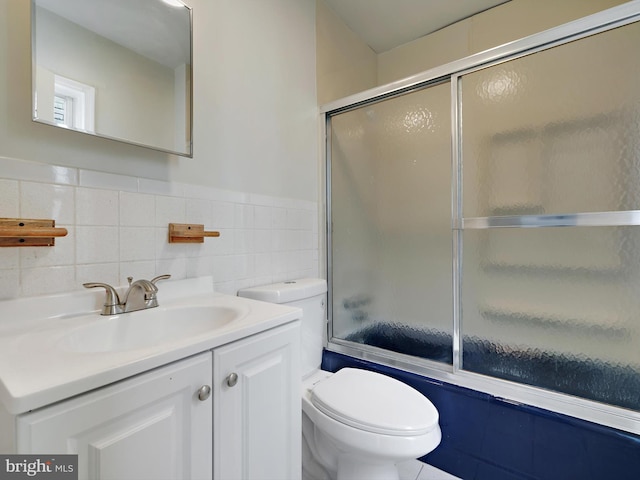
column 118, row 69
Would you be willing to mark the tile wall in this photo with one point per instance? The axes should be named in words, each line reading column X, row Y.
column 118, row 227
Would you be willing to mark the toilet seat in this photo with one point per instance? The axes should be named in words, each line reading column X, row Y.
column 374, row 403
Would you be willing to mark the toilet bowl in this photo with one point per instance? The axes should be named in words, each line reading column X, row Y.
column 356, row 424
column 361, row 423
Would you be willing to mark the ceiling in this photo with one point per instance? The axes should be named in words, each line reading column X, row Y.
column 386, row 24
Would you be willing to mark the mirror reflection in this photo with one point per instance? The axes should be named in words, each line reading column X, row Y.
column 119, row 69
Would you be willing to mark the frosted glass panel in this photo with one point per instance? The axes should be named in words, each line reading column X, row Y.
column 556, row 131
column 556, row 308
column 391, row 224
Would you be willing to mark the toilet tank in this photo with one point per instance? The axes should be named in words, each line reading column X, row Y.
column 309, row 294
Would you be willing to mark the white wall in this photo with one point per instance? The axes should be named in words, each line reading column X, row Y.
column 254, row 174
column 255, row 114
column 344, row 62
column 254, row 94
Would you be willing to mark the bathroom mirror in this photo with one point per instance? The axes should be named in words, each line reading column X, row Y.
column 118, row 69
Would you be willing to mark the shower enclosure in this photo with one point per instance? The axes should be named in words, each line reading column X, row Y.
column 484, row 221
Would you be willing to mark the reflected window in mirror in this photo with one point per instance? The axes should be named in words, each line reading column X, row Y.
column 73, row 104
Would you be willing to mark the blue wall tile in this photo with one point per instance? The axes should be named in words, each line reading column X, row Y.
column 486, row 438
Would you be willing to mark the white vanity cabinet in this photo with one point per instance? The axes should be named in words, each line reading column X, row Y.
column 256, row 407
column 153, row 425
column 161, row 424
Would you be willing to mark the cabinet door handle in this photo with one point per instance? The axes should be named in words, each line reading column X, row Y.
column 204, row 392
column 232, row 380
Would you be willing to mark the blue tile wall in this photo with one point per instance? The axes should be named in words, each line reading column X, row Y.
column 486, row 438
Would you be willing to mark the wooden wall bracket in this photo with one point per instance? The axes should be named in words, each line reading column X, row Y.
column 21, row 232
column 188, row 233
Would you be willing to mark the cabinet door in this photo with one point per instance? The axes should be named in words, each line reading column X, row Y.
column 257, row 419
column 152, row 426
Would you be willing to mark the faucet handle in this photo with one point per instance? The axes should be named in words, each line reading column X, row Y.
column 112, row 304
column 160, row 277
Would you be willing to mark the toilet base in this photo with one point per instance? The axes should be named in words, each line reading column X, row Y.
column 352, row 468
column 349, row 469
column 323, row 460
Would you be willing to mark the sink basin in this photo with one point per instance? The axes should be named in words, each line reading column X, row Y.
column 146, row 328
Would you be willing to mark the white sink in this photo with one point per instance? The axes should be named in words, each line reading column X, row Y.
column 56, row 346
column 146, row 328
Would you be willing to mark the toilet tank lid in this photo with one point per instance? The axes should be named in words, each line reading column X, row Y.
column 375, row 403
column 285, row 292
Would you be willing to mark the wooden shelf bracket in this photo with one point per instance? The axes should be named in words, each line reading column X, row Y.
column 21, row 232
column 189, row 233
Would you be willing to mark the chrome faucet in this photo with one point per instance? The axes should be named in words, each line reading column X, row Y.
column 140, row 295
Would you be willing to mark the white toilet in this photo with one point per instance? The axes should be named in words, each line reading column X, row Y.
column 356, row 424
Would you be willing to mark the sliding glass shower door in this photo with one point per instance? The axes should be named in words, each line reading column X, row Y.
column 485, row 223
column 390, row 177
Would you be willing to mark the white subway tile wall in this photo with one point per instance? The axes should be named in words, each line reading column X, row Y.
column 118, row 227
